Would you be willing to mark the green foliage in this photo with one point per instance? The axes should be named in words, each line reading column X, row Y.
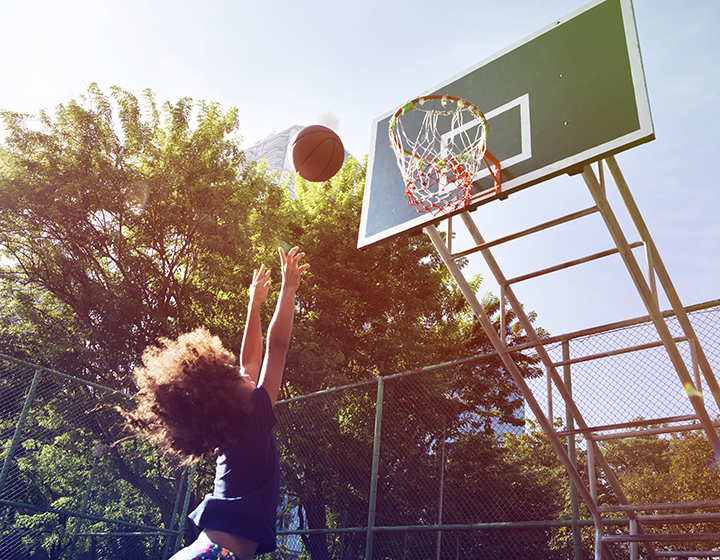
column 680, row 467
column 122, row 221
column 120, row 225
column 53, row 465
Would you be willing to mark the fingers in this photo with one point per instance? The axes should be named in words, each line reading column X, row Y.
column 258, row 273
column 291, row 263
column 261, row 276
column 260, row 285
column 292, row 255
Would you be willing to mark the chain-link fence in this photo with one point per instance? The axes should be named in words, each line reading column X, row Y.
column 405, row 456
column 398, row 467
column 618, row 388
column 65, row 490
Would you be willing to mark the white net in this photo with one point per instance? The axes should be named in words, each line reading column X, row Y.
column 439, row 143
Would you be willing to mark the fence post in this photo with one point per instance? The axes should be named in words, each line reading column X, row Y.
column 97, row 452
column 186, row 505
column 574, row 500
column 374, row 475
column 168, row 540
column 18, row 429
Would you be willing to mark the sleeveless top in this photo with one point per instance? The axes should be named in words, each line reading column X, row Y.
column 247, row 481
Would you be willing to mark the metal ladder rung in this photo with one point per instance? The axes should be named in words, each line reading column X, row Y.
column 662, row 537
column 687, row 553
column 617, row 352
column 529, row 231
column 633, row 424
column 569, row 264
column 655, row 431
column 673, row 518
column 669, row 505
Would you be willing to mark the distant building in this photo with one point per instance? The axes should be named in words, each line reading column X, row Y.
column 274, row 148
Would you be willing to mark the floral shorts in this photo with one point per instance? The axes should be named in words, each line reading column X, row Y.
column 204, row 551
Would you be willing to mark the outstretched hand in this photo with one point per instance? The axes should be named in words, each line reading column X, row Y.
column 260, row 285
column 280, row 330
column 291, row 267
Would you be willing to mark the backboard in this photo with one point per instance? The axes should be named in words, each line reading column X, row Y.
column 572, row 93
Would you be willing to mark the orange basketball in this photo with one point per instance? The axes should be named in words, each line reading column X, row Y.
column 317, row 153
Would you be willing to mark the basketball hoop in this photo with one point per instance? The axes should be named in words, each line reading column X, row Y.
column 440, row 165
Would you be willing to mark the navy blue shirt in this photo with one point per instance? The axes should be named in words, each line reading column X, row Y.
column 247, row 481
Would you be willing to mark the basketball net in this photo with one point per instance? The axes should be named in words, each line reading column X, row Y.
column 439, row 165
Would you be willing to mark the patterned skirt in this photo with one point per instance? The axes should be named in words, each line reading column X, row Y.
column 204, row 551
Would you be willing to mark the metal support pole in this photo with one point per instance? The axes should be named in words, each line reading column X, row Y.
column 96, row 455
column 646, row 296
column 176, row 505
column 503, row 325
column 694, row 344
column 186, row 505
column 375, row 466
column 593, row 492
column 442, row 490
column 651, row 273
column 592, row 478
column 574, row 501
column 18, row 429
column 662, row 274
column 548, row 379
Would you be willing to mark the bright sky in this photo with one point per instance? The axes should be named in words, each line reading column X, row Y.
column 284, row 62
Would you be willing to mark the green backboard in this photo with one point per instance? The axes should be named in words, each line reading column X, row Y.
column 565, row 96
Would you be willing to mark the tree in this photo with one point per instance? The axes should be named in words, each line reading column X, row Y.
column 52, row 468
column 131, row 226
column 375, row 312
column 655, row 469
column 120, row 225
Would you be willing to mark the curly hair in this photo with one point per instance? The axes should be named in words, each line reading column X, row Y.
column 192, row 400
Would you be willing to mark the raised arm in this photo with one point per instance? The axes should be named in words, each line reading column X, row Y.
column 251, row 350
column 280, row 329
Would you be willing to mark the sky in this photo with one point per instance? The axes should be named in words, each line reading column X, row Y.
column 284, row 62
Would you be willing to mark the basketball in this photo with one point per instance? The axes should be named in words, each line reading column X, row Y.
column 317, row 153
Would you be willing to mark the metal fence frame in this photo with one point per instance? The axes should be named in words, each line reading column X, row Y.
column 374, row 529
column 172, row 536
column 561, row 346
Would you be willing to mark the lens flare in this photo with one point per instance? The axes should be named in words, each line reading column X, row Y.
column 691, row 391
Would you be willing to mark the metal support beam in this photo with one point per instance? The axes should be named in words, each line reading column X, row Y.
column 646, row 295
column 375, row 469
column 547, row 362
column 511, row 366
column 662, row 273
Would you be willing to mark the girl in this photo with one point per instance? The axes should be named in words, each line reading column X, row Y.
column 195, row 400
